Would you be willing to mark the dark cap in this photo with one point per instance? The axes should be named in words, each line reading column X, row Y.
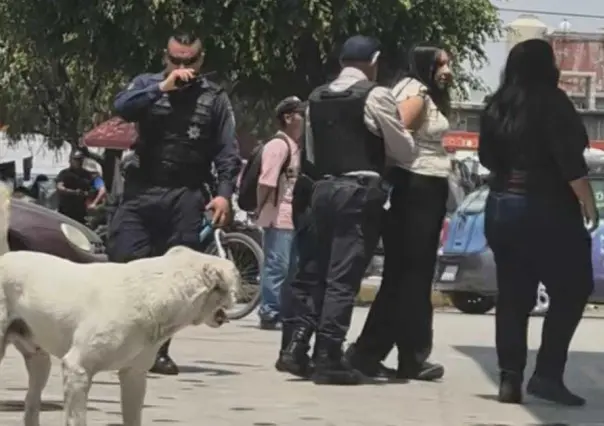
column 77, row 155
column 289, row 105
column 360, row 48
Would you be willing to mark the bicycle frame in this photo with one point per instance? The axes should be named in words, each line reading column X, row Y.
column 217, row 234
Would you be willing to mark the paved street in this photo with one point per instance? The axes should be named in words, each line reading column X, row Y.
column 228, row 379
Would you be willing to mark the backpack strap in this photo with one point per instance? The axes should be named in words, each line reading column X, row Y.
column 284, row 167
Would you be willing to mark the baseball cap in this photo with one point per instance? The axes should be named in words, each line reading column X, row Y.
column 92, row 166
column 77, row 155
column 289, row 105
column 360, row 48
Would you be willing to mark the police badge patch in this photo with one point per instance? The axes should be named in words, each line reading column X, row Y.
column 194, row 132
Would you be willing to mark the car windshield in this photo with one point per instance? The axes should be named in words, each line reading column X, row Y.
column 597, row 186
column 475, row 201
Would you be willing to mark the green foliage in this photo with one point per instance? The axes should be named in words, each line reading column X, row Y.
column 62, row 61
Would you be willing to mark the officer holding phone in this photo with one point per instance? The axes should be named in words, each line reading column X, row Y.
column 185, row 124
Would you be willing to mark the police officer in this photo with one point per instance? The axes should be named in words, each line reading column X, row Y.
column 354, row 128
column 185, row 124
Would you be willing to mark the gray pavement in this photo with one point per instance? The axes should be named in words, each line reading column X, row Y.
column 228, row 379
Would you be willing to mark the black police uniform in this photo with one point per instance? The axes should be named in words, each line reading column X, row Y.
column 346, row 207
column 181, row 133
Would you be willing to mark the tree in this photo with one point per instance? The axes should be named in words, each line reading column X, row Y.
column 62, row 61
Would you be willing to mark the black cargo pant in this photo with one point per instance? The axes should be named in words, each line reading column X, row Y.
column 535, row 241
column 153, row 220
column 346, row 213
column 402, row 311
column 305, row 241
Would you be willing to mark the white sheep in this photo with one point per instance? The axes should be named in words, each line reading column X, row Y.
column 104, row 316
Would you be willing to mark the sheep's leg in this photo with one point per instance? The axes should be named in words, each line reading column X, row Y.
column 38, row 368
column 133, row 384
column 4, row 322
column 76, row 385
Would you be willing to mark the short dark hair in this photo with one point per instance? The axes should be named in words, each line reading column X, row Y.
column 187, row 39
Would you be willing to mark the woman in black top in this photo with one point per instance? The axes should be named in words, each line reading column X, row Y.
column 532, row 139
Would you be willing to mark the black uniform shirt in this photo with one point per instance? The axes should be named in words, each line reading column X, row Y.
column 133, row 103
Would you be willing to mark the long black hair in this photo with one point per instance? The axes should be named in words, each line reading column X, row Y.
column 528, row 83
column 422, row 63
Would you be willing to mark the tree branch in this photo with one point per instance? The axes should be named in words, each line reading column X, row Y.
column 43, row 103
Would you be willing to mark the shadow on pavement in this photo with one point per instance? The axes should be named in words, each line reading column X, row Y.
column 583, row 376
column 208, row 371
column 9, row 405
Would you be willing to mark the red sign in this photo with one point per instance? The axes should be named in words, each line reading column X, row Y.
column 582, row 55
column 469, row 140
column 460, row 140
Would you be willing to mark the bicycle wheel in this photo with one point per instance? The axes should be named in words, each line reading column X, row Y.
column 247, row 255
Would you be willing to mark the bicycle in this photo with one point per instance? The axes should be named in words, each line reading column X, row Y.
column 228, row 245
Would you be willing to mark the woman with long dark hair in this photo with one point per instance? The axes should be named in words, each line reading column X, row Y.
column 532, row 139
column 402, row 311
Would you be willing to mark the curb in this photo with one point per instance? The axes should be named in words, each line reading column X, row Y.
column 371, row 285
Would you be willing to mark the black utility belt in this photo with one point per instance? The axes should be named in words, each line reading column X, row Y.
column 365, row 180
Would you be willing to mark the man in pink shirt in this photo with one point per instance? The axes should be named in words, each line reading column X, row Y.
column 280, row 168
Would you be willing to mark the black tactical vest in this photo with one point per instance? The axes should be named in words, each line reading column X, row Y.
column 177, row 138
column 341, row 141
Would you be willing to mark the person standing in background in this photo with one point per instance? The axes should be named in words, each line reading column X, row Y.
column 353, row 130
column 402, row 311
column 98, row 192
column 185, row 126
column 280, row 168
column 73, row 186
column 532, row 140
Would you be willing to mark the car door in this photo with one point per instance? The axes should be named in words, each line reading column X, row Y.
column 597, row 254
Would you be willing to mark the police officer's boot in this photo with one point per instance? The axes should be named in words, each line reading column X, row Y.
column 287, row 331
column 163, row 363
column 294, row 359
column 331, row 367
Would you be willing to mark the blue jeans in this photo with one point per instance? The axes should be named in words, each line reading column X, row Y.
column 280, row 256
column 534, row 240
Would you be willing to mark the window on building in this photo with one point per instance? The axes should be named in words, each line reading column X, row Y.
column 473, row 123
column 456, row 121
column 592, row 124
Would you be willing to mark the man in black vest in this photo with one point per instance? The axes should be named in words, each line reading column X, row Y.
column 185, row 124
column 353, row 127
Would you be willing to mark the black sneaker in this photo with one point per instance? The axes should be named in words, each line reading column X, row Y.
column 510, row 388
column 373, row 369
column 553, row 391
column 164, row 366
column 331, row 367
column 427, row 372
column 270, row 324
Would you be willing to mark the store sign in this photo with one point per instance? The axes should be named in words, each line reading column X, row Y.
column 461, row 140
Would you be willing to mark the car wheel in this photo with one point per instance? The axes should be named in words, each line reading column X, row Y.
column 542, row 304
column 472, row 303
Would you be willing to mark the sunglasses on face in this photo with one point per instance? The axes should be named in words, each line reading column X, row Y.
column 184, row 61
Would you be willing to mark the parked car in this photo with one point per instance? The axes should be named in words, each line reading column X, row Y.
column 466, row 269
column 37, row 228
